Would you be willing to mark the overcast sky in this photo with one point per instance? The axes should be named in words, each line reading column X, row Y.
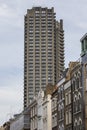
column 73, row 13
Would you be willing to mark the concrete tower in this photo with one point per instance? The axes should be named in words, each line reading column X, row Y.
column 43, row 50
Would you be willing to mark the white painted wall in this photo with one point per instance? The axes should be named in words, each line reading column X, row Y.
column 47, row 119
column 40, row 110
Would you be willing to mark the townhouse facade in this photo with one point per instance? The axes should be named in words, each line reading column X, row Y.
column 84, row 78
column 40, row 110
column 75, row 93
column 68, row 105
column 67, row 116
column 63, row 106
column 54, row 109
column 77, row 97
column 60, row 103
column 47, row 113
column 33, row 115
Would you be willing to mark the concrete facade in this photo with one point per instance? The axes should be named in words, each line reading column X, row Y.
column 43, row 51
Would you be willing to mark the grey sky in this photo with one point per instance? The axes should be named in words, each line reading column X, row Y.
column 12, row 12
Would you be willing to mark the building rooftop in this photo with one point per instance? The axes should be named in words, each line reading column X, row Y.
column 84, row 36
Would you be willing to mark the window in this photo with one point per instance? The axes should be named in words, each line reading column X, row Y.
column 69, row 97
column 70, row 116
column 73, row 85
column 66, row 99
column 77, row 83
column 80, row 124
column 61, row 94
column 82, row 45
column 66, row 117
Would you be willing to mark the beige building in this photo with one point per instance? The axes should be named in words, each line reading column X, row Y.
column 6, row 126
column 43, row 50
column 2, row 128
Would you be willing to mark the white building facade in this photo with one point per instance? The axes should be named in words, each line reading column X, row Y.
column 33, row 115
column 40, row 110
column 47, row 113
